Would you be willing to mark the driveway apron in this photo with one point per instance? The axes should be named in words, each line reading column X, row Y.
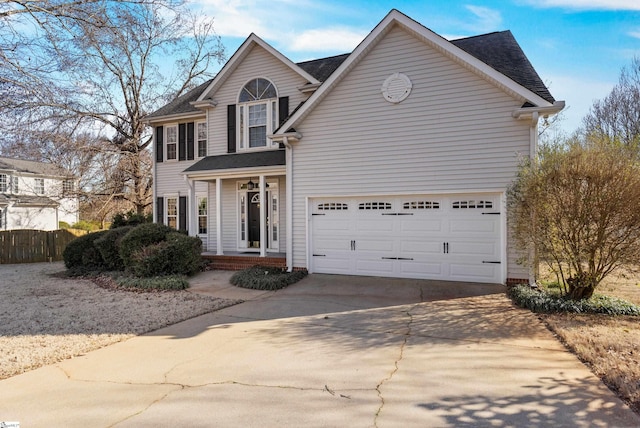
column 329, row 351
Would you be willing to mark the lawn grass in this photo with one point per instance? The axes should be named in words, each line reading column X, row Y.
column 609, row 345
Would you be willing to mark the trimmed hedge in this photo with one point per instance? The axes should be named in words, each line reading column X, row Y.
column 109, row 247
column 266, row 278
column 140, row 237
column 82, row 256
column 179, row 254
column 542, row 302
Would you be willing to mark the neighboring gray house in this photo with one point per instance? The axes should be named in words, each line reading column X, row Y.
column 391, row 161
column 35, row 195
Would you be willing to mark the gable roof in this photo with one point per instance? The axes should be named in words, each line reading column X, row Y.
column 31, row 167
column 317, row 71
column 475, row 53
column 501, row 51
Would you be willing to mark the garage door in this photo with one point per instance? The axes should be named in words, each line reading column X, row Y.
column 453, row 238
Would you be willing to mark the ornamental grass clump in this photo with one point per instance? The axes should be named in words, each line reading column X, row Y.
column 266, row 278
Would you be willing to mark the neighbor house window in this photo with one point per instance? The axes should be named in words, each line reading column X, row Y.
column 3, row 183
column 68, row 187
column 39, row 186
column 202, row 215
column 202, row 139
column 172, row 142
column 14, row 182
column 257, row 113
column 172, row 212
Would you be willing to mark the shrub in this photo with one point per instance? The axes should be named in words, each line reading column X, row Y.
column 81, row 255
column 89, row 226
column 140, row 237
column 543, row 302
column 109, row 247
column 130, row 218
column 266, row 278
column 63, row 225
column 179, row 254
column 171, row 282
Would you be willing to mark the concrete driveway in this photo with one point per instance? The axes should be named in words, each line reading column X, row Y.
column 330, row 351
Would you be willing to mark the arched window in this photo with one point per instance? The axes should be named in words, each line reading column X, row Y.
column 257, row 113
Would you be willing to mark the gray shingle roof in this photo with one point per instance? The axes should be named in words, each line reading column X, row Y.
column 32, row 167
column 27, row 201
column 501, row 51
column 239, row 160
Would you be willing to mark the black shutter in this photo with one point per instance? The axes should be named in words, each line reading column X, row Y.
column 182, row 141
column 159, row 143
column 190, row 142
column 283, row 109
column 182, row 213
column 160, row 209
column 231, row 128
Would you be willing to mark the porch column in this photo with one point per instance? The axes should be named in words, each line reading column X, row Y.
column 263, row 217
column 219, row 217
column 192, row 209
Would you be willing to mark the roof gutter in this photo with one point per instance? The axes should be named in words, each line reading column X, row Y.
column 285, row 137
column 531, row 112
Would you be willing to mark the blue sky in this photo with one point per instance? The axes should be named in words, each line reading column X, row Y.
column 577, row 46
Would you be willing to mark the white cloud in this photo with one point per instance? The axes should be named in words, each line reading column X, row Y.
column 634, row 34
column 336, row 39
column 486, row 19
column 588, row 4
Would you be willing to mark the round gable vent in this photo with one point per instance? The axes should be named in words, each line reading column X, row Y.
column 396, row 88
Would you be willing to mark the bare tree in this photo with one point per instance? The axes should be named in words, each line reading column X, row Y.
column 616, row 118
column 98, row 67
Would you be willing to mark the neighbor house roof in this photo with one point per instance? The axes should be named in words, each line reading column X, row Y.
column 239, row 160
column 27, row 201
column 31, row 167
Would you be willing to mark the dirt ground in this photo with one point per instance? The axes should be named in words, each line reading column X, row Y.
column 610, row 346
column 46, row 318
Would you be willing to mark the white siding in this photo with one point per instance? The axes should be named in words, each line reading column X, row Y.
column 454, row 133
column 258, row 63
column 38, row 218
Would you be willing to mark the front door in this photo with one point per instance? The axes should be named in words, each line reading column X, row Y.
column 254, row 219
column 249, row 217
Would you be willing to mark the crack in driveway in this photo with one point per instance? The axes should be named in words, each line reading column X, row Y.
column 395, row 366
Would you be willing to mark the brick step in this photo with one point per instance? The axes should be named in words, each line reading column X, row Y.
column 241, row 262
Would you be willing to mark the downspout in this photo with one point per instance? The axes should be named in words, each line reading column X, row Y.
column 534, row 268
column 289, row 207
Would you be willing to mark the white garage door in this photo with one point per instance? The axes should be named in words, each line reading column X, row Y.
column 453, row 238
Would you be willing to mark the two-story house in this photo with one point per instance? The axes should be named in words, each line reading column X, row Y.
column 393, row 160
column 35, row 195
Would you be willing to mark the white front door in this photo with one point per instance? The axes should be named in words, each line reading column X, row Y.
column 430, row 236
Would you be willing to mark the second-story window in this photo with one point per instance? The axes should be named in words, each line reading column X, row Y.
column 38, row 186
column 3, row 183
column 257, row 113
column 68, row 187
column 172, row 142
column 202, row 139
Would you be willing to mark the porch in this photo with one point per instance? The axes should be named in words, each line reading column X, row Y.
column 240, row 260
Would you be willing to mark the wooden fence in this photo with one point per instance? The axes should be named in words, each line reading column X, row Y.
column 32, row 246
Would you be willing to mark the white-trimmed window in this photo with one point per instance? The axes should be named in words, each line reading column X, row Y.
column 4, row 183
column 257, row 113
column 202, row 215
column 172, row 142
column 38, row 186
column 172, row 212
column 68, row 187
column 201, row 133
